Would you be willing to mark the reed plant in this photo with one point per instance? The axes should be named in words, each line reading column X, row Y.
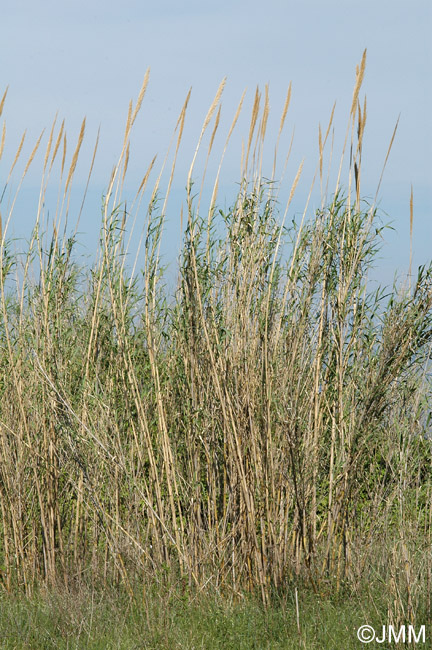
column 256, row 426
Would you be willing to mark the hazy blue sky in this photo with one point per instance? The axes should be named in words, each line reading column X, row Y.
column 89, row 58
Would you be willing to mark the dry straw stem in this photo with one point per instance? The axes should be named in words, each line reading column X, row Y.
column 29, row 161
column 63, row 195
column 3, row 139
column 125, row 166
column 140, row 97
column 144, row 181
column 318, row 168
column 75, row 156
column 32, row 155
column 180, row 126
column 49, row 145
column 386, row 159
column 57, row 146
column 141, row 189
column 137, row 201
column 45, row 176
column 180, row 123
column 321, row 147
column 254, row 118
column 357, row 157
column 210, row 146
column 17, row 155
column 262, row 130
column 290, row 275
column 324, row 194
column 281, row 126
column 124, row 157
column 132, row 115
column 88, row 179
column 206, row 122
column 369, row 223
column 234, row 122
column 3, row 99
column 64, row 154
column 359, row 80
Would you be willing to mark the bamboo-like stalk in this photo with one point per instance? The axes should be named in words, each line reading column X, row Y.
column 253, row 427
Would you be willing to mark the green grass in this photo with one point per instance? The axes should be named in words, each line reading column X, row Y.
column 110, row 619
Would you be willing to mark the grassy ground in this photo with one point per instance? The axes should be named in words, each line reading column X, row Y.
column 169, row 620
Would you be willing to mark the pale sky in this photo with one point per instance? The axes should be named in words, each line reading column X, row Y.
column 89, row 59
